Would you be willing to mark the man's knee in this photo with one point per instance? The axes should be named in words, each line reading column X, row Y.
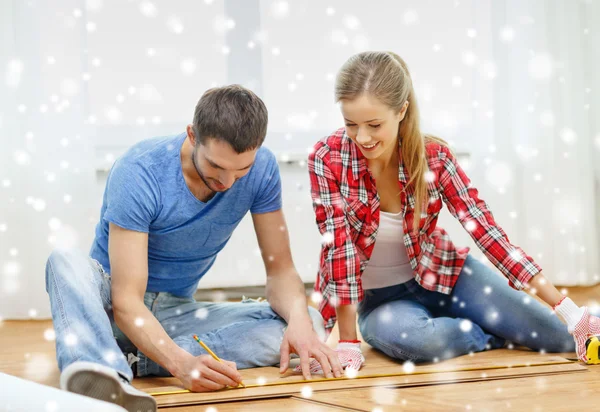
column 68, row 264
column 318, row 323
column 63, row 257
column 57, row 259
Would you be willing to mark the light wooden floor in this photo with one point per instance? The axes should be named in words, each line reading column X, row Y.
column 25, row 352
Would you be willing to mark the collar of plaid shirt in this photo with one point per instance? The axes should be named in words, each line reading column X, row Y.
column 359, row 162
column 342, row 185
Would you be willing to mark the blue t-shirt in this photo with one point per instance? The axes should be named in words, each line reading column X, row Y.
column 146, row 192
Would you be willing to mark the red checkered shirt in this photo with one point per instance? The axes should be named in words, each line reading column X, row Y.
column 346, row 205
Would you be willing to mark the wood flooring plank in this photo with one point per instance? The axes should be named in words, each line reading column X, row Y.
column 573, row 392
column 275, row 405
column 378, row 363
column 400, row 381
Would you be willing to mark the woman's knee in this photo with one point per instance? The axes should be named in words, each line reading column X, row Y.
column 417, row 343
column 410, row 350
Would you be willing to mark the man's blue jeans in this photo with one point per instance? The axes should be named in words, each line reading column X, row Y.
column 247, row 333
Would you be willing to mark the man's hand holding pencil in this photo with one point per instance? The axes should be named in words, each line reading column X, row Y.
column 208, row 373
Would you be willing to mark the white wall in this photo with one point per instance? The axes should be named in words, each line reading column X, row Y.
column 45, row 174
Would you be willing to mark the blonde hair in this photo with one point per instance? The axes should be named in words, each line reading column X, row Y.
column 385, row 76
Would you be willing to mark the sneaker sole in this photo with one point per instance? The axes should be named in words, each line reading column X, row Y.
column 105, row 388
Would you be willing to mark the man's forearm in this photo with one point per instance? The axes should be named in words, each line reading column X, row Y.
column 148, row 335
column 287, row 296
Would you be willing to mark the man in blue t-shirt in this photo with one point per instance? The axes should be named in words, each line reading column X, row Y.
column 170, row 205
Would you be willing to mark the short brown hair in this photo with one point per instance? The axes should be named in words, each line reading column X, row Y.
column 232, row 114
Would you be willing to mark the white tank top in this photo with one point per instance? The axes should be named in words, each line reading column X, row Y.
column 389, row 264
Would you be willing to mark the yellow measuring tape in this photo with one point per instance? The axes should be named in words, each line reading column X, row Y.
column 592, row 350
column 380, row 375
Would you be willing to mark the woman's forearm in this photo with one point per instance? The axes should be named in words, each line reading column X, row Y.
column 545, row 289
column 346, row 315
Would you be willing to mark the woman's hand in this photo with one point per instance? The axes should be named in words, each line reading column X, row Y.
column 587, row 326
column 580, row 323
column 349, row 354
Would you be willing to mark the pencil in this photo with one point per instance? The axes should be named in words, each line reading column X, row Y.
column 211, row 353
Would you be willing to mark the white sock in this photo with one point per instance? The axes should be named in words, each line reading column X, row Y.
column 570, row 312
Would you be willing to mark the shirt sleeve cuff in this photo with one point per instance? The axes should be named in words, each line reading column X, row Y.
column 346, row 293
column 528, row 270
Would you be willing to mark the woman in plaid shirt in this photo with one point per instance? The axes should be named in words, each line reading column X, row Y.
column 378, row 186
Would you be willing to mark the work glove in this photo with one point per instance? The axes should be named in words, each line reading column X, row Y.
column 349, row 354
column 580, row 324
